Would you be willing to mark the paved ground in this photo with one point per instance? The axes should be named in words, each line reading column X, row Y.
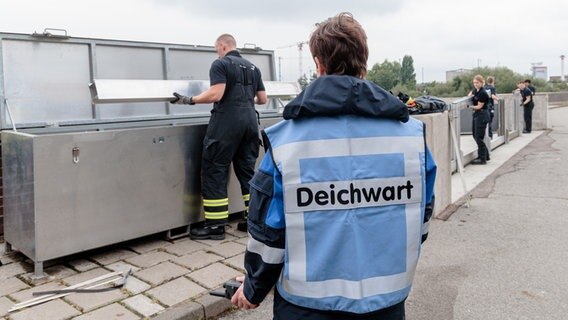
column 502, row 258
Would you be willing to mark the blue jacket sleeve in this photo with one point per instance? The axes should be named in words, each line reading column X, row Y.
column 264, row 257
column 430, row 197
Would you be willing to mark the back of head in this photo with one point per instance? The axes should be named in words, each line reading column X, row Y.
column 227, row 40
column 490, row 80
column 340, row 44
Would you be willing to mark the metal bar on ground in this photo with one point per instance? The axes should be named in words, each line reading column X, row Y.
column 49, row 297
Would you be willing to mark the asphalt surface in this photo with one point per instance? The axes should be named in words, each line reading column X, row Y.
column 504, row 257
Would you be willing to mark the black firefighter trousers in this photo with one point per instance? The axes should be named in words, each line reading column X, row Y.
column 232, row 136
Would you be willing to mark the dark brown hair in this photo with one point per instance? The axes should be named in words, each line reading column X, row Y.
column 340, row 44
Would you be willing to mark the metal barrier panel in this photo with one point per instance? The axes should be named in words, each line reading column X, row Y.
column 45, row 80
column 115, row 62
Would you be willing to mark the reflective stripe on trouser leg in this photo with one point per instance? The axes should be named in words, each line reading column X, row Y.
column 246, row 198
column 216, row 209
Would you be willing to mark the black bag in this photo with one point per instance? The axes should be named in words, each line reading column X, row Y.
column 428, row 104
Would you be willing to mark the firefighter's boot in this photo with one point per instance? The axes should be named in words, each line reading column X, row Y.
column 242, row 225
column 214, row 230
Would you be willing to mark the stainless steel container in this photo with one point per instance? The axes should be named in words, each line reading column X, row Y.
column 78, row 174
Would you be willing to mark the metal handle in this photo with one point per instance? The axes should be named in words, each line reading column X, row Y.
column 75, row 153
column 46, row 33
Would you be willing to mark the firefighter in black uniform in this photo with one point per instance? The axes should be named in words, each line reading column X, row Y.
column 232, row 134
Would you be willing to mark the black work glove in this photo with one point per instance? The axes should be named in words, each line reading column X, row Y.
column 181, row 99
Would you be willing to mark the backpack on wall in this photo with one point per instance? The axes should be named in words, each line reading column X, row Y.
column 428, row 104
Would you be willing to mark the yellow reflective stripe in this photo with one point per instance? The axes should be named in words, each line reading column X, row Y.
column 217, row 214
column 246, row 197
column 216, row 202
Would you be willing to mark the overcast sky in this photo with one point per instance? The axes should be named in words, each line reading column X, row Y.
column 440, row 35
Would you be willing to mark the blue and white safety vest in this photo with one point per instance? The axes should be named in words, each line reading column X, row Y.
column 353, row 195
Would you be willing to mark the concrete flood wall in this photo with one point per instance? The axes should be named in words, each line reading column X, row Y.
column 438, row 139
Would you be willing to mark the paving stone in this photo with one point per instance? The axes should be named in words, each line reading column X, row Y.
column 5, row 305
column 13, row 269
column 59, row 272
column 183, row 311
column 110, row 312
column 9, row 257
column 228, row 249
column 197, row 259
column 86, row 276
column 25, row 295
column 214, row 275
column 109, row 257
column 93, row 300
column 212, row 243
column 52, row 273
column 214, row 306
column 122, row 266
column 12, row 256
column 52, row 310
column 136, row 286
column 160, row 273
column 143, row 305
column 176, row 291
column 235, row 232
column 149, row 259
column 147, row 245
column 185, row 246
column 82, row 265
column 243, row 241
column 11, row 285
column 237, row 262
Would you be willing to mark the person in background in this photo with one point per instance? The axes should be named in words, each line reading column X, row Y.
column 341, row 201
column 527, row 104
column 480, row 119
column 232, row 134
column 529, row 85
column 490, row 89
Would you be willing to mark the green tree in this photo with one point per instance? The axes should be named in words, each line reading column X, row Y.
column 386, row 74
column 407, row 74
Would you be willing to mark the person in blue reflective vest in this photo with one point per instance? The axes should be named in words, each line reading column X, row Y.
column 341, row 201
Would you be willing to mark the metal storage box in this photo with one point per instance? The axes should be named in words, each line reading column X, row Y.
column 78, row 175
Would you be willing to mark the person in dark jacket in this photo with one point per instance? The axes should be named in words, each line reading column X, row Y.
column 490, row 89
column 480, row 119
column 527, row 103
column 528, row 84
column 341, row 201
column 232, row 134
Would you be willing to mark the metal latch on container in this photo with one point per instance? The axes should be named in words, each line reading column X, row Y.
column 75, row 153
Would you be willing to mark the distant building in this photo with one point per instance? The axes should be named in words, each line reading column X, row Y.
column 539, row 71
column 450, row 75
column 555, row 78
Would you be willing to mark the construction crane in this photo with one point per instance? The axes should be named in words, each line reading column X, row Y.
column 300, row 46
